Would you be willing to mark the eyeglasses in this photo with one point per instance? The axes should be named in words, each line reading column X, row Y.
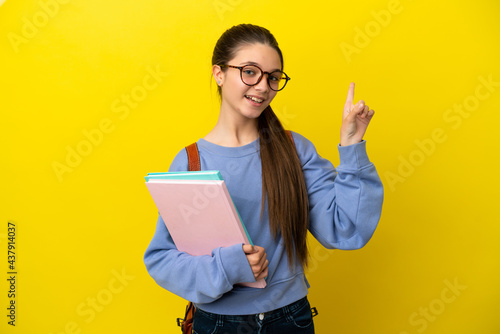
column 251, row 75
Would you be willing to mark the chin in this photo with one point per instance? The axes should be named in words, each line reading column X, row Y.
column 253, row 114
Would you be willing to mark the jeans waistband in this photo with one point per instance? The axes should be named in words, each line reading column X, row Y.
column 278, row 313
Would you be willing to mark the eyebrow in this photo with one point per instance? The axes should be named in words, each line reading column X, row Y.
column 254, row 63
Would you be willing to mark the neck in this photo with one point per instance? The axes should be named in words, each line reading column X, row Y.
column 233, row 130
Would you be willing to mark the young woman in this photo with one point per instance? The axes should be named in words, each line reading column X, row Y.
column 281, row 189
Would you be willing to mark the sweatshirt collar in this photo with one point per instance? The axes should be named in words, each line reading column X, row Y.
column 239, row 151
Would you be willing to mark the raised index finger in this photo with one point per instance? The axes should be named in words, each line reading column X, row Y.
column 350, row 95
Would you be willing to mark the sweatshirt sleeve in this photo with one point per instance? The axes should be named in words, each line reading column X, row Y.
column 345, row 203
column 200, row 279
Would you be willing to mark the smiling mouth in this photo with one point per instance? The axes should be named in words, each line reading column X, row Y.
column 255, row 99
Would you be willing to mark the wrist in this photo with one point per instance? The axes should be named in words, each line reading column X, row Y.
column 349, row 142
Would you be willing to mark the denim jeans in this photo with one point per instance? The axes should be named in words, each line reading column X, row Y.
column 291, row 319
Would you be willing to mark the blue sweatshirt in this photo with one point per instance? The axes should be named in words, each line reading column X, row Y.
column 345, row 207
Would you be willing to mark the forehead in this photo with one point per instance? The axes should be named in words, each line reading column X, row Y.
column 261, row 54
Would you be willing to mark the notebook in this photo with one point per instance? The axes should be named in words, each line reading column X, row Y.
column 198, row 212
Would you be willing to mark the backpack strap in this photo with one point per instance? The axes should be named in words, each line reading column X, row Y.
column 289, row 133
column 194, row 164
column 194, row 156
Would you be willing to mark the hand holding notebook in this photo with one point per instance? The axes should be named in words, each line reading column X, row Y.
column 257, row 258
column 199, row 213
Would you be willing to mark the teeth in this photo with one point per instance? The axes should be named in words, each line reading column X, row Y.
column 255, row 99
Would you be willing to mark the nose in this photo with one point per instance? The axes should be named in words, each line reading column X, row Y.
column 262, row 86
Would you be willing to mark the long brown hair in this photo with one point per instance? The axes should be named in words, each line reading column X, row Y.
column 283, row 184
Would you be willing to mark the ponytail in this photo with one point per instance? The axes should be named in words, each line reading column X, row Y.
column 283, row 186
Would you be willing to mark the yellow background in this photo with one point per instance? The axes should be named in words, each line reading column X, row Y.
column 78, row 231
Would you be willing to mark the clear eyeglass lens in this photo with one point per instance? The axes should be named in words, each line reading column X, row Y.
column 251, row 74
column 277, row 80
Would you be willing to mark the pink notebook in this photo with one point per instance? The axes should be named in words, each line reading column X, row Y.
column 199, row 215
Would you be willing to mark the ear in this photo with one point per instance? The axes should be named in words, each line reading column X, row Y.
column 218, row 75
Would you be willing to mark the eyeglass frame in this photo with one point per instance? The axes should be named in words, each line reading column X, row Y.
column 287, row 78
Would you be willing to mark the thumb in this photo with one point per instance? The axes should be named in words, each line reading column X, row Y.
column 249, row 249
column 356, row 109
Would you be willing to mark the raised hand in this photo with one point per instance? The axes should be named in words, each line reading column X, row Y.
column 355, row 119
